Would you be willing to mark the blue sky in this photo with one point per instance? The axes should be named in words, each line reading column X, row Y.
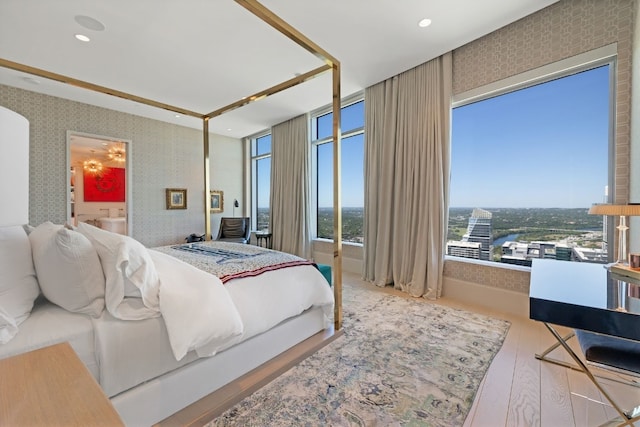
column 544, row 146
column 352, row 173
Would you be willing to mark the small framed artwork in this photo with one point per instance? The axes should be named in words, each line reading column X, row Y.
column 176, row 198
column 217, row 201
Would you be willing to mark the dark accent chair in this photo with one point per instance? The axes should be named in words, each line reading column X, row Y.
column 236, row 229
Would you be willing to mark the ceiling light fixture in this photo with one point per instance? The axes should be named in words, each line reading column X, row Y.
column 89, row 23
column 424, row 23
column 117, row 153
column 93, row 166
column 82, row 38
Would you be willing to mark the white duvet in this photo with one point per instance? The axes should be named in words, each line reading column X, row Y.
column 199, row 312
column 202, row 314
column 196, row 307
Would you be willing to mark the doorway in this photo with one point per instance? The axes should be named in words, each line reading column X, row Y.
column 99, row 181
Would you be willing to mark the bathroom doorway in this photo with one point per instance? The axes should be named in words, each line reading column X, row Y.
column 99, row 181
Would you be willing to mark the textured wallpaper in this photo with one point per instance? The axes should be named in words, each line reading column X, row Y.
column 163, row 156
column 559, row 31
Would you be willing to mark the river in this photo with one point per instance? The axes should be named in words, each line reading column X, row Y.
column 508, row 238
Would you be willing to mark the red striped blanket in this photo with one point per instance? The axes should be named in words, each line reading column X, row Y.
column 230, row 261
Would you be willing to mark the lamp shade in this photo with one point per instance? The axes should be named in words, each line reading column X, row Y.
column 617, row 210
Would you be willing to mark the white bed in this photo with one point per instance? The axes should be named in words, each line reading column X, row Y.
column 155, row 332
column 133, row 360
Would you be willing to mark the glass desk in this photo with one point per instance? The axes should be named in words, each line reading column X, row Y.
column 588, row 297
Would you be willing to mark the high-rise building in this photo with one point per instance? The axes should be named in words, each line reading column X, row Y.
column 464, row 249
column 480, row 230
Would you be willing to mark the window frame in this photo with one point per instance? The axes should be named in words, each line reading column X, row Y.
column 313, row 116
column 596, row 58
column 253, row 160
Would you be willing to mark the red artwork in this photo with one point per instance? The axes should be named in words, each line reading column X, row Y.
column 107, row 186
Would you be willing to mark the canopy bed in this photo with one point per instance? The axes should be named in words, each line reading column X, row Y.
column 105, row 330
column 330, row 63
column 153, row 330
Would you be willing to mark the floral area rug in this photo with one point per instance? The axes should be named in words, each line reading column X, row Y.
column 401, row 361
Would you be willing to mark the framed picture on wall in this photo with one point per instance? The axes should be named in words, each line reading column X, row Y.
column 217, row 201
column 176, row 198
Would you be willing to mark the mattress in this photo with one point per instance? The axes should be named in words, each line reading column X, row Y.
column 131, row 352
column 49, row 324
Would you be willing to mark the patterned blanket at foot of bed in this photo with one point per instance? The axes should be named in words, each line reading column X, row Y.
column 232, row 260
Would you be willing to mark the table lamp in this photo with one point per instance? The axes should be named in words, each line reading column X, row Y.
column 623, row 211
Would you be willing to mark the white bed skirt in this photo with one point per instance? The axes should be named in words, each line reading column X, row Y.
column 161, row 397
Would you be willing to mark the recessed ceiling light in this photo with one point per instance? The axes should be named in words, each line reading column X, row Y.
column 177, row 116
column 424, row 22
column 89, row 23
column 228, row 128
column 82, row 38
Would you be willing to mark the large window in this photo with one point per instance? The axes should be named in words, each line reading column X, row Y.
column 261, row 181
column 525, row 168
column 352, row 124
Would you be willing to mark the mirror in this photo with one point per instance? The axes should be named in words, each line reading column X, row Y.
column 99, row 181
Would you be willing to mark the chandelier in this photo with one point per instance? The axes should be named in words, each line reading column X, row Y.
column 117, row 153
column 93, row 166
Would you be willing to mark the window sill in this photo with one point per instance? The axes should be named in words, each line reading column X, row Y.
column 355, row 245
column 492, row 264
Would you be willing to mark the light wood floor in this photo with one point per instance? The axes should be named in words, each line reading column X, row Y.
column 518, row 390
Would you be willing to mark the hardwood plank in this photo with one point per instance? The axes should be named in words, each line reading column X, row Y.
column 556, row 407
column 491, row 405
column 625, row 396
column 584, row 398
column 524, row 404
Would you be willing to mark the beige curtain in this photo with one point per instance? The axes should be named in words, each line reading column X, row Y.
column 289, row 199
column 407, row 121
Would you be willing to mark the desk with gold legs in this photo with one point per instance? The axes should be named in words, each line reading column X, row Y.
column 584, row 296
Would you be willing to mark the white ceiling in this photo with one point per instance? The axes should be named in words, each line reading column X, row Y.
column 202, row 55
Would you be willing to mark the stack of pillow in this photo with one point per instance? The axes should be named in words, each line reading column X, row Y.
column 18, row 284
column 81, row 270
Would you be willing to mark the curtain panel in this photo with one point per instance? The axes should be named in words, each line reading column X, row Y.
column 407, row 162
column 289, row 200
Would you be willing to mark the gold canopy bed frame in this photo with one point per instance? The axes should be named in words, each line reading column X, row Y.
column 330, row 64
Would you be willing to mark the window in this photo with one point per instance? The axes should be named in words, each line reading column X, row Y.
column 352, row 123
column 261, row 181
column 525, row 168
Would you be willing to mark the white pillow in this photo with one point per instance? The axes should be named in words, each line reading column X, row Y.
column 68, row 267
column 132, row 283
column 18, row 283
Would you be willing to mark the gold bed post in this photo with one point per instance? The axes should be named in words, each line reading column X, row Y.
column 207, row 179
column 279, row 24
column 337, row 201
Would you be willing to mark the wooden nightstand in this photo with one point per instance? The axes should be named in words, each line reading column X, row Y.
column 51, row 386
